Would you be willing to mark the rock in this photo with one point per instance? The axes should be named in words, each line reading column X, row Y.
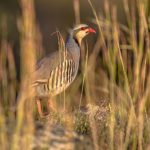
column 59, row 138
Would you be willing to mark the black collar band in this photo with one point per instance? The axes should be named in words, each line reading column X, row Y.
column 76, row 41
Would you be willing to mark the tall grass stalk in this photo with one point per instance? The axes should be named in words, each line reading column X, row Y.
column 24, row 127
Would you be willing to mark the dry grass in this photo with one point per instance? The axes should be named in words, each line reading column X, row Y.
column 110, row 98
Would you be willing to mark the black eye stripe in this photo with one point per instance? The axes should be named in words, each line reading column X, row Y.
column 84, row 28
column 79, row 29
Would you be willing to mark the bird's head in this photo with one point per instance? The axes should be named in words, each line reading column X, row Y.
column 80, row 31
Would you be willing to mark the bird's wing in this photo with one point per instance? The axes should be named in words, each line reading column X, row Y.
column 47, row 64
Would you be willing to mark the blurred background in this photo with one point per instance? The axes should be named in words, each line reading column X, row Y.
column 51, row 15
column 113, row 80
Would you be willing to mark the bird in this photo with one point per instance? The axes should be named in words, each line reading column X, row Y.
column 56, row 71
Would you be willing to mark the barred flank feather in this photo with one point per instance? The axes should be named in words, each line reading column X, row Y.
column 59, row 78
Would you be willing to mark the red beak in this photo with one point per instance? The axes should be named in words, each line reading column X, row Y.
column 91, row 30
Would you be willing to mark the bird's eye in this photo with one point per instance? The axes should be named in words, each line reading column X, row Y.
column 83, row 28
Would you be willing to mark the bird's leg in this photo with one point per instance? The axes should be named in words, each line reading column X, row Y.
column 51, row 105
column 39, row 107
